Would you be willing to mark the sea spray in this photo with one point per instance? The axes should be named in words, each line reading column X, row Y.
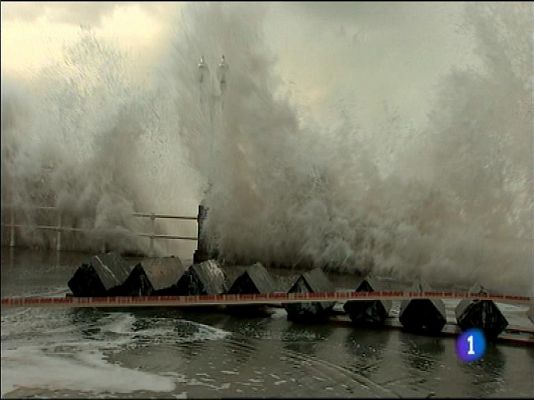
column 93, row 147
column 290, row 196
column 451, row 205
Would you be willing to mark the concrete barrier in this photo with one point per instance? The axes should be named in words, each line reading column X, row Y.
column 102, row 275
column 310, row 282
column 255, row 280
column 423, row 315
column 154, row 277
column 369, row 313
column 205, row 278
column 482, row 314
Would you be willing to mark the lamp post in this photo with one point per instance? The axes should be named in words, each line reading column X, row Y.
column 211, row 104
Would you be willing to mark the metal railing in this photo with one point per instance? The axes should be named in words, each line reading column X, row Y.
column 59, row 228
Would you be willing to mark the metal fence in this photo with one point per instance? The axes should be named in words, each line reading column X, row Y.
column 60, row 227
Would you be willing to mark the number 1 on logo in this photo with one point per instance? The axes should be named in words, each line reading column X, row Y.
column 471, row 350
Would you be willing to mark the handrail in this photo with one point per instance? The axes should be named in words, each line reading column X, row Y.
column 59, row 228
column 135, row 214
column 31, row 207
column 162, row 216
column 69, row 229
column 47, row 227
column 155, row 236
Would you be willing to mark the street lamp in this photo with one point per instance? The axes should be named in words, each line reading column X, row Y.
column 202, row 69
column 222, row 71
column 211, row 103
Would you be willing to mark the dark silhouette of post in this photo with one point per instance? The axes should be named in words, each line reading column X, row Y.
column 201, row 253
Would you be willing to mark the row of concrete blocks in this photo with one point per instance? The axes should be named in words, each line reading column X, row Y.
column 110, row 275
column 425, row 316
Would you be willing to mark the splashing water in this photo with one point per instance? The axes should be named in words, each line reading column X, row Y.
column 92, row 137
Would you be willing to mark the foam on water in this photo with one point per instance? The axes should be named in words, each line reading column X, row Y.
column 46, row 350
column 121, row 324
column 28, row 367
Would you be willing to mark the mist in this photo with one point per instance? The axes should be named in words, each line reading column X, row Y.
column 424, row 175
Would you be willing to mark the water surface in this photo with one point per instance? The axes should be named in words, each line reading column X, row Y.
column 161, row 352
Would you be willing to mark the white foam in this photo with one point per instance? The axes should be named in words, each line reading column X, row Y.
column 86, row 371
column 121, row 324
column 195, row 382
column 206, row 332
column 58, row 355
column 278, row 313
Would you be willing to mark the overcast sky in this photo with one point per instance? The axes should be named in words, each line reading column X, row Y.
column 360, row 55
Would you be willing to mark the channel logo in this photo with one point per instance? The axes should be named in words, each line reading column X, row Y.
column 471, row 345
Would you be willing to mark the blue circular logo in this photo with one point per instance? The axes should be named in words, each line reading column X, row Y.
column 471, row 345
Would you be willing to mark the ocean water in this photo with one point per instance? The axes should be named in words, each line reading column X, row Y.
column 169, row 353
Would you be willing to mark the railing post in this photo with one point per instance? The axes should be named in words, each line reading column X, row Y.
column 58, row 232
column 12, row 229
column 201, row 253
column 58, row 258
column 11, row 256
column 153, row 224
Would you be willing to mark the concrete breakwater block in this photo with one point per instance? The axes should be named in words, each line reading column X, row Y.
column 368, row 312
column 254, row 280
column 311, row 282
column 154, row 277
column 204, row 278
column 482, row 314
column 101, row 276
column 423, row 315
